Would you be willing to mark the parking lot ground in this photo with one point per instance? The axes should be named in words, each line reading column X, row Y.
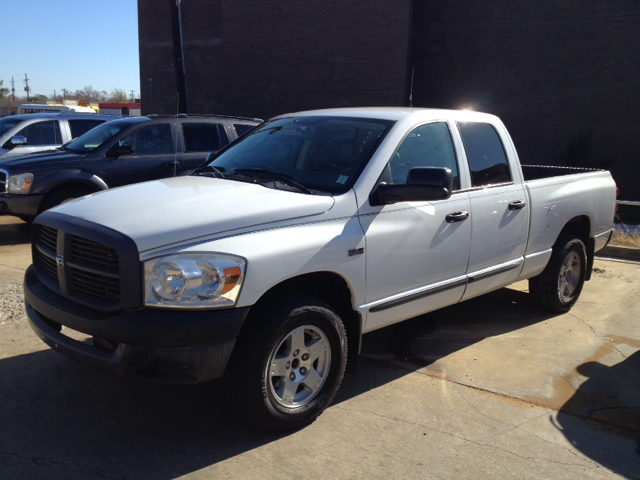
column 492, row 387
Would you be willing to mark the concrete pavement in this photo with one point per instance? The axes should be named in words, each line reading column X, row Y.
column 492, row 387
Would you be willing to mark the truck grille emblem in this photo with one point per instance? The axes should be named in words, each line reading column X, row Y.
column 59, row 262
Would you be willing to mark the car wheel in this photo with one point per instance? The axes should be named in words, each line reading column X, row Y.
column 558, row 287
column 284, row 375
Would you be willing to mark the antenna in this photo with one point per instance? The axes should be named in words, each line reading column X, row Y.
column 411, row 89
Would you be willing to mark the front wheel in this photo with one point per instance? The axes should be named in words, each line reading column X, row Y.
column 558, row 287
column 287, row 369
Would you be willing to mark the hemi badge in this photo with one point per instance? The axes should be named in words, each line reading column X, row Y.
column 356, row 251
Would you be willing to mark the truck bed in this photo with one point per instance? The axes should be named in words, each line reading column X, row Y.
column 536, row 172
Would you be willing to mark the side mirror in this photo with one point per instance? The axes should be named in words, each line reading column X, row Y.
column 18, row 141
column 119, row 150
column 423, row 184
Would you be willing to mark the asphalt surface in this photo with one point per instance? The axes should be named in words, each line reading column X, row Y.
column 493, row 387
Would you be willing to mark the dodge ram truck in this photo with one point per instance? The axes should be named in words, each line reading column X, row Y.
column 267, row 264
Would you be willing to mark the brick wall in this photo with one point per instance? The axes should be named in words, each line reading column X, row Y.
column 261, row 58
column 551, row 70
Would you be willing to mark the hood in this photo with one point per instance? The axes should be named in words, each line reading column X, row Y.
column 164, row 212
column 40, row 161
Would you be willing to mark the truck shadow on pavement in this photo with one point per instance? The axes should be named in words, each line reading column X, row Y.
column 60, row 419
column 15, row 233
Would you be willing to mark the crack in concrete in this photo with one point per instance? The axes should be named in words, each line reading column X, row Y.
column 603, row 338
column 464, row 439
column 520, row 425
column 501, row 395
column 12, row 266
column 47, row 461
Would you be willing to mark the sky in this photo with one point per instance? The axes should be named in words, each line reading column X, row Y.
column 70, row 44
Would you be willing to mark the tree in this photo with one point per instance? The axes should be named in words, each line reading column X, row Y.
column 118, row 95
column 89, row 94
column 3, row 91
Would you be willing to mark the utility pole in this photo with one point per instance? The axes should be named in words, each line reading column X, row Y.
column 132, row 96
column 64, row 93
column 13, row 91
column 26, row 88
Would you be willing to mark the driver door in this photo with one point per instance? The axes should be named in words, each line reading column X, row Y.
column 416, row 252
column 154, row 156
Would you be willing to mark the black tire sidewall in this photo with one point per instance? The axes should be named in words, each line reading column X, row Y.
column 572, row 245
column 327, row 321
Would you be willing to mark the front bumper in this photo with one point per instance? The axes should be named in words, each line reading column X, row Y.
column 20, row 205
column 159, row 346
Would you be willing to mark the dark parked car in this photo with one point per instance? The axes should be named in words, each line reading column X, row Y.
column 116, row 153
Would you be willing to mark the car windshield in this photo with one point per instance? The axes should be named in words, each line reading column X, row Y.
column 96, row 137
column 7, row 124
column 323, row 153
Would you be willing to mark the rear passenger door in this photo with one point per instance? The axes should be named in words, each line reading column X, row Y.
column 201, row 139
column 499, row 214
column 154, row 155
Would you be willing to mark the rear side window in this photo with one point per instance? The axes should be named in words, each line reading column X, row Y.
column 242, row 128
column 487, row 161
column 78, row 127
column 204, row 137
column 42, row 133
column 150, row 140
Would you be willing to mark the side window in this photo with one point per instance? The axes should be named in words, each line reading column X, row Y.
column 242, row 128
column 150, row 140
column 78, row 127
column 428, row 145
column 487, row 161
column 42, row 133
column 203, row 137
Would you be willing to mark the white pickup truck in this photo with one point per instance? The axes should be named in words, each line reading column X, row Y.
column 298, row 238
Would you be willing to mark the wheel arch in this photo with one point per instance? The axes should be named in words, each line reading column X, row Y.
column 329, row 287
column 581, row 226
column 86, row 186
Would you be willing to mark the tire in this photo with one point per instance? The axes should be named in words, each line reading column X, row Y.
column 285, row 373
column 55, row 198
column 558, row 287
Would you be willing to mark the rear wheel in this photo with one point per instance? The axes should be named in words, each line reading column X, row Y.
column 558, row 287
column 283, row 374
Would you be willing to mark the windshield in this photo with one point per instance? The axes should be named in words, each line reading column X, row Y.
column 95, row 137
column 7, row 124
column 325, row 153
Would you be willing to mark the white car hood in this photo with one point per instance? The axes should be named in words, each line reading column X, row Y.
column 163, row 212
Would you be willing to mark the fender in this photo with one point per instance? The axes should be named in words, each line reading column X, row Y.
column 74, row 175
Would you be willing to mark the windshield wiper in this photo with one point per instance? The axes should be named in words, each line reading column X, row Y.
column 269, row 175
column 216, row 172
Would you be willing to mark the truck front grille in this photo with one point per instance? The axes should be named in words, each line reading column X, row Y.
column 87, row 270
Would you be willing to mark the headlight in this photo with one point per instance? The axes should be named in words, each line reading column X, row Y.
column 20, row 183
column 193, row 280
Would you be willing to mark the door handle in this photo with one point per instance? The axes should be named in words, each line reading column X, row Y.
column 457, row 216
column 171, row 163
column 517, row 205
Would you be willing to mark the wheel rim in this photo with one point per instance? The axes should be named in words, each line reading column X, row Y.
column 569, row 278
column 299, row 366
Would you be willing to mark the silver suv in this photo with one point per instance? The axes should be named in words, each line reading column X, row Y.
column 35, row 132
